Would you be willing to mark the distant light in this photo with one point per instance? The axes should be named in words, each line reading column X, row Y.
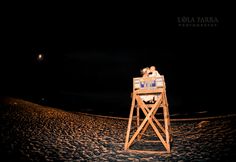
column 40, row 57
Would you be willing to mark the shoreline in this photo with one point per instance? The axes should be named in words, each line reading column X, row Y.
column 189, row 116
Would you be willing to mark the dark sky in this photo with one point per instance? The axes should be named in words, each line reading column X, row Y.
column 95, row 61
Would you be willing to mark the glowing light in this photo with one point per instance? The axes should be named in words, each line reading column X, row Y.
column 40, row 57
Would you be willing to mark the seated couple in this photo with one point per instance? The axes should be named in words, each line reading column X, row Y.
column 149, row 72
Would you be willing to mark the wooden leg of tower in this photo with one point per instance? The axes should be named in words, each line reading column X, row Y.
column 168, row 113
column 138, row 121
column 166, row 120
column 169, row 127
column 138, row 117
column 130, row 122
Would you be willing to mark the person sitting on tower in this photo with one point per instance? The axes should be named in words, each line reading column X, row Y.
column 153, row 72
column 146, row 98
column 145, row 72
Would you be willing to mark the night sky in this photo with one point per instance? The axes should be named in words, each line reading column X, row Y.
column 90, row 63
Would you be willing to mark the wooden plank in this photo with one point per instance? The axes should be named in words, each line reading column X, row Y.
column 149, row 91
column 144, row 107
column 140, row 127
column 147, row 151
column 143, row 131
column 152, row 141
column 129, row 123
column 138, row 116
column 153, row 125
column 147, row 124
column 157, row 122
column 138, row 121
column 166, row 116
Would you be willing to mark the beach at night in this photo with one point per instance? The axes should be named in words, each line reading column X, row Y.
column 32, row 132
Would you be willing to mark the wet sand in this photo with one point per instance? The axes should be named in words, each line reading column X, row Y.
column 31, row 132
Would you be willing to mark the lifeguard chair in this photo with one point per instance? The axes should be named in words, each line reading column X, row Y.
column 143, row 88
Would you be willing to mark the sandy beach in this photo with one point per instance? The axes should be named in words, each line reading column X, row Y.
column 31, row 132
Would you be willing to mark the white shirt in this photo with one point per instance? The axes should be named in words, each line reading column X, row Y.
column 154, row 74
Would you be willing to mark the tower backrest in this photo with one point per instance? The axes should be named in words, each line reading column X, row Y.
column 148, row 83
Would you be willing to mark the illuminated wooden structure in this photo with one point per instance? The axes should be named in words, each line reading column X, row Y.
column 154, row 86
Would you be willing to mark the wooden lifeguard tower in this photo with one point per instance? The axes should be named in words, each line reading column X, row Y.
column 146, row 87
